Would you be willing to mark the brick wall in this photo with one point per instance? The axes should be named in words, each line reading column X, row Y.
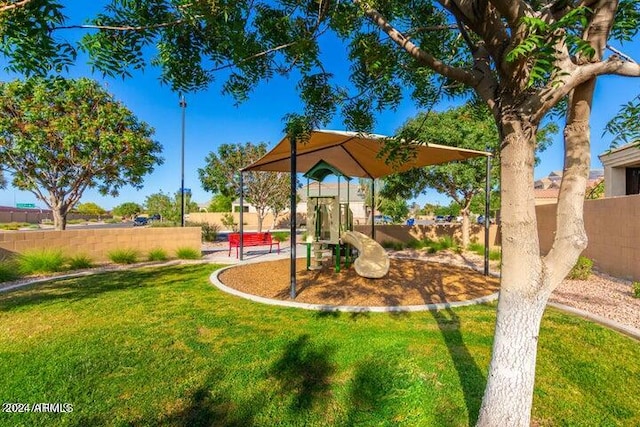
column 613, row 229
column 97, row 243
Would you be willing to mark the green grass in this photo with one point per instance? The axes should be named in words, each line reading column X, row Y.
column 582, row 269
column 636, row 289
column 478, row 248
column 123, row 256
column 79, row 262
column 161, row 346
column 188, row 253
column 40, row 261
column 9, row 270
column 157, row 255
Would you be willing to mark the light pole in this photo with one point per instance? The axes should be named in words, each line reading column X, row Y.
column 183, row 105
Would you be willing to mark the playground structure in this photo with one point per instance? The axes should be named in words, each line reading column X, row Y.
column 330, row 228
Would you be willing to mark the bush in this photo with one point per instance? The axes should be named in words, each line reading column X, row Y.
column 415, row 244
column 582, row 269
column 188, row 253
column 8, row 270
column 123, row 256
column 79, row 262
column 14, row 225
column 76, row 221
column 396, row 246
column 157, row 255
column 40, row 261
column 229, row 222
column 113, row 221
column 280, row 236
column 636, row 289
column 209, row 231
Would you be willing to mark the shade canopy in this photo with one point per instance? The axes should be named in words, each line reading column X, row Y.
column 354, row 154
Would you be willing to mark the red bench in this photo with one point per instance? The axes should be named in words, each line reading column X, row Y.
column 252, row 239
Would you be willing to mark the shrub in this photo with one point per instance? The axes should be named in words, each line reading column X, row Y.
column 40, row 261
column 188, row 253
column 157, row 255
column 8, row 270
column 79, row 262
column 396, row 246
column 123, row 256
column 113, row 221
column 229, row 222
column 209, row 231
column 280, row 236
column 415, row 244
column 582, row 269
column 14, row 225
column 76, row 221
column 636, row 289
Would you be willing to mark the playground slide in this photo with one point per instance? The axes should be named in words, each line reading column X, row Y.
column 372, row 261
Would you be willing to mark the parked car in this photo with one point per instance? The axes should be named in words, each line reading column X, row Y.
column 383, row 219
column 481, row 220
column 140, row 221
column 440, row 218
column 155, row 217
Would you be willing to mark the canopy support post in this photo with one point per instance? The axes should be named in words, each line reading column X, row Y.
column 373, row 208
column 241, row 219
column 487, row 221
column 292, row 221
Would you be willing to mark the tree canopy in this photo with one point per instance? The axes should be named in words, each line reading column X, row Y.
column 60, row 137
column 264, row 190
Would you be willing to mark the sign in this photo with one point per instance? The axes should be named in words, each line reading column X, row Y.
column 25, row 205
column 185, row 190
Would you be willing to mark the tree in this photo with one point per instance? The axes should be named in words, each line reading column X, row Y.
column 280, row 197
column 158, row 204
column 90, row 208
column 522, row 59
column 221, row 175
column 127, row 210
column 396, row 208
column 467, row 127
column 220, row 203
column 60, row 137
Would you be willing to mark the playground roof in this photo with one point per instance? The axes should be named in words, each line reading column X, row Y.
column 354, row 154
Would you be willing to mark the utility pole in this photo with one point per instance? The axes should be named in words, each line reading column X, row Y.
column 183, row 105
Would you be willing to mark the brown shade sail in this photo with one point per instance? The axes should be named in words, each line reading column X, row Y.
column 354, row 154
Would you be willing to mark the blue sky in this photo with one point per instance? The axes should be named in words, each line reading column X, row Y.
column 213, row 119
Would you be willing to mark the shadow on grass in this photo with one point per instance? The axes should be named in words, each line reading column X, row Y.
column 370, row 393
column 304, row 370
column 92, row 286
column 471, row 378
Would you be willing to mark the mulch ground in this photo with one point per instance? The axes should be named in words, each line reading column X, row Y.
column 409, row 282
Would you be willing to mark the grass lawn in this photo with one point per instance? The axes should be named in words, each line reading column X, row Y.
column 160, row 346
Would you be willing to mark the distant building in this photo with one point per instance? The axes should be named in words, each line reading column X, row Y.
column 622, row 170
column 355, row 197
column 546, row 189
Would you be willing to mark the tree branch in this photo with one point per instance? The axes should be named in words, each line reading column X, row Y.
column 16, row 5
column 554, row 92
column 119, row 28
column 512, row 11
column 425, row 58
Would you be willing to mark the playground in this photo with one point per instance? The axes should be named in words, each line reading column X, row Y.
column 408, row 282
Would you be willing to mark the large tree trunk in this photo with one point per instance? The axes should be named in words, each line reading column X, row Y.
column 59, row 217
column 465, row 227
column 508, row 395
column 527, row 279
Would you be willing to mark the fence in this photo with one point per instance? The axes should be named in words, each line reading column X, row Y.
column 97, row 243
column 613, row 229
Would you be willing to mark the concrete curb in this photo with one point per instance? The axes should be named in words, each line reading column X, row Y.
column 611, row 324
column 345, row 308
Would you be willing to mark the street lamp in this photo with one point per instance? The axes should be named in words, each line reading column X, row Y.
column 183, row 105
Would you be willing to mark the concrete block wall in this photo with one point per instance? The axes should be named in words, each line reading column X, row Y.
column 97, row 243
column 403, row 233
column 613, row 229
